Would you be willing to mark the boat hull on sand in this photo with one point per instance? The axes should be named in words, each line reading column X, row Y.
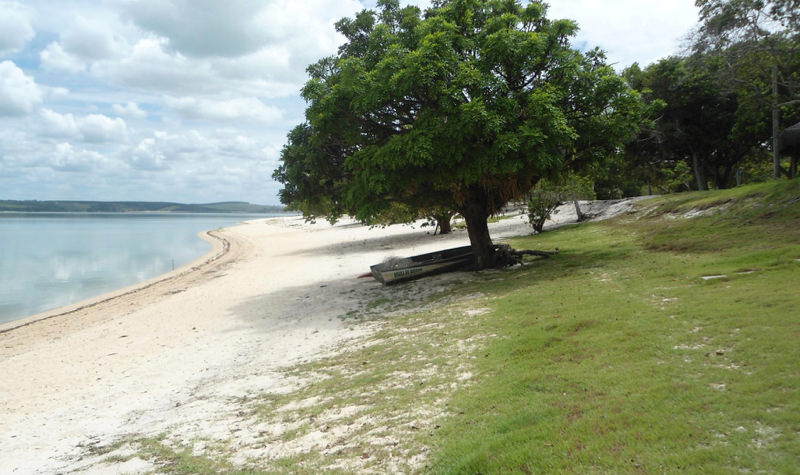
column 400, row 270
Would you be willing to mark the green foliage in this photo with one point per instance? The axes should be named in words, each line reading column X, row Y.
column 543, row 199
column 463, row 108
column 547, row 195
column 312, row 174
column 717, row 109
column 576, row 187
column 759, row 42
column 696, row 124
column 677, row 178
column 726, row 22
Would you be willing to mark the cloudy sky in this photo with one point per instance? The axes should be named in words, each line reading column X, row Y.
column 191, row 100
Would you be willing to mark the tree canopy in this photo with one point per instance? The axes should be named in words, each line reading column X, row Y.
column 698, row 122
column 718, row 109
column 464, row 107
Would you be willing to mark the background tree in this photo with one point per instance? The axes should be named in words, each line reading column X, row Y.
column 759, row 40
column 464, row 108
column 700, row 120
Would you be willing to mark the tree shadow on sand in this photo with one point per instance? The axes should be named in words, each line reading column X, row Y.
column 384, row 243
column 328, row 302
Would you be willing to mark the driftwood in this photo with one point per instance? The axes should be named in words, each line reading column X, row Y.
column 506, row 256
column 528, row 252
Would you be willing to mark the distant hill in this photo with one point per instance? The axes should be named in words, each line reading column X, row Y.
column 133, row 207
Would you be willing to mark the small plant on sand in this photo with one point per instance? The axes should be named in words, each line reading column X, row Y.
column 544, row 198
column 542, row 202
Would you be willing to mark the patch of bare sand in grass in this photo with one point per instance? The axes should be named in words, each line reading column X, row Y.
column 340, row 432
column 765, row 436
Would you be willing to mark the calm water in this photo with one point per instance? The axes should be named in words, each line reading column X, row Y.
column 50, row 260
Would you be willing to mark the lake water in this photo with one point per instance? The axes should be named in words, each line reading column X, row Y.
column 48, row 260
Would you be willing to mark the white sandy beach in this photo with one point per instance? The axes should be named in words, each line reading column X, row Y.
column 171, row 353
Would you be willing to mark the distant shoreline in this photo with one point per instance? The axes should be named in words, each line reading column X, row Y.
column 265, row 214
column 135, row 206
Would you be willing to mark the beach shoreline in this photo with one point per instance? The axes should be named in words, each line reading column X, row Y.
column 219, row 247
column 172, row 351
column 173, row 355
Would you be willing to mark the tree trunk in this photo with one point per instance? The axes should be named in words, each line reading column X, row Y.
column 578, row 212
column 776, row 156
column 715, row 179
column 725, row 176
column 699, row 176
column 476, row 213
column 793, row 165
column 443, row 220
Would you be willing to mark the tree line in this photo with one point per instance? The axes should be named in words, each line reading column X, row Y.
column 718, row 110
column 468, row 105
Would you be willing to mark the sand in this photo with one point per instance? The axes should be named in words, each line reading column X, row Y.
column 172, row 353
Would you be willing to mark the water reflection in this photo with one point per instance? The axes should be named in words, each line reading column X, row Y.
column 51, row 260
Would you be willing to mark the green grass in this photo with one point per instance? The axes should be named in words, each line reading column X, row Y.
column 614, row 356
column 173, row 459
column 618, row 356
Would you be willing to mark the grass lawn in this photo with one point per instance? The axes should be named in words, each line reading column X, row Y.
column 665, row 340
column 654, row 342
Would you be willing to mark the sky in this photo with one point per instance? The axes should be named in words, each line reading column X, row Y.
column 191, row 100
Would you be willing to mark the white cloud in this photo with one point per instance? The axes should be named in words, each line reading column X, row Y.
column 131, row 109
column 232, row 110
column 268, row 63
column 89, row 39
column 203, row 27
column 58, row 125
column 304, row 31
column 56, row 59
column 242, row 47
column 93, row 128
column 152, row 68
column 147, row 156
column 19, row 94
column 231, row 70
column 149, row 67
column 100, row 128
column 15, row 27
column 65, row 158
column 55, row 93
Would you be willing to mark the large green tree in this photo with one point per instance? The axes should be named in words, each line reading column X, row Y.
column 464, row 108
